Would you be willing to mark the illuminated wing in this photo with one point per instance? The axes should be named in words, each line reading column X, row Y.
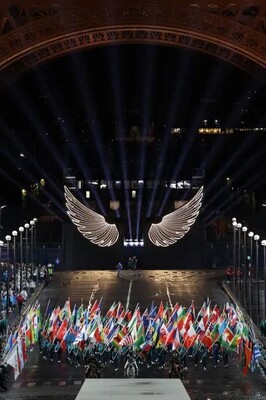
column 176, row 224
column 91, row 224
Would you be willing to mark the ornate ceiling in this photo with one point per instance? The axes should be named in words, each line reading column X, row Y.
column 34, row 32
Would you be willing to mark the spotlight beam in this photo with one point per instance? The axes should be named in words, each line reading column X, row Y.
column 118, row 91
column 91, row 114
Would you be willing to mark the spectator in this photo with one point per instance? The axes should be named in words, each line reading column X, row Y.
column 32, row 286
column 24, row 294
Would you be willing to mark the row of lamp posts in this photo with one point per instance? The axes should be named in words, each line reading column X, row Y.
column 240, row 263
column 33, row 260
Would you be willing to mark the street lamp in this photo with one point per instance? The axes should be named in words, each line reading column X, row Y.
column 256, row 238
column 35, row 240
column 21, row 230
column 14, row 234
column 239, row 226
column 8, row 238
column 35, row 247
column 1, row 245
column 26, row 226
column 244, row 229
column 32, row 223
column 250, row 235
column 234, row 223
column 263, row 243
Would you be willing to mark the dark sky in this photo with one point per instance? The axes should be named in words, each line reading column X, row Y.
column 67, row 113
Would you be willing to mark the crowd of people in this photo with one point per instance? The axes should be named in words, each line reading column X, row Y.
column 156, row 357
column 17, row 286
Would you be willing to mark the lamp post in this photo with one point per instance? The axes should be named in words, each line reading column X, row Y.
column 26, row 226
column 263, row 243
column 8, row 238
column 1, row 245
column 244, row 230
column 14, row 234
column 35, row 247
column 239, row 226
column 234, row 223
column 21, row 230
column 32, row 223
column 250, row 235
column 1, row 208
column 256, row 238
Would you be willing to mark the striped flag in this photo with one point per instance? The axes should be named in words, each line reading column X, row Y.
column 256, row 355
column 127, row 341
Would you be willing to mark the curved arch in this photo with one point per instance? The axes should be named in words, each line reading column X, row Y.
column 234, row 33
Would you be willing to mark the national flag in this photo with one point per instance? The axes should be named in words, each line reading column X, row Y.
column 246, row 356
column 126, row 341
column 190, row 337
column 215, row 314
column 140, row 338
column 176, row 341
column 170, row 337
column 152, row 312
column 160, row 312
column 235, row 342
column 226, row 337
column 73, row 318
column 110, row 312
column 112, row 333
column 97, row 335
column 256, row 355
column 206, row 339
column 61, row 330
column 145, row 318
column 222, row 327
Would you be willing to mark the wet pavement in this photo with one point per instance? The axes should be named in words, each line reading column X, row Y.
column 46, row 380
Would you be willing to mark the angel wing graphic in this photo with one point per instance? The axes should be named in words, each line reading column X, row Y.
column 91, row 224
column 176, row 224
column 94, row 227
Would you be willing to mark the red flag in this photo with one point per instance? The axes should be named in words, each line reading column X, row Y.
column 97, row 335
column 206, row 339
column 170, row 337
column 160, row 311
column 62, row 330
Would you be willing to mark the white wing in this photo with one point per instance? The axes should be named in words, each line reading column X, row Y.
column 176, row 224
column 91, row 224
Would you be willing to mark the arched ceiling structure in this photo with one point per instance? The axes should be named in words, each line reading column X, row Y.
column 33, row 32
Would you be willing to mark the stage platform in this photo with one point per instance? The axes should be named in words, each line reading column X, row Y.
column 132, row 389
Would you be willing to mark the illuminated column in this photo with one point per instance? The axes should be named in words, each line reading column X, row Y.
column 15, row 234
column 234, row 223
column 239, row 226
column 8, row 238
column 35, row 241
column 256, row 238
column 263, row 243
column 21, row 230
column 250, row 235
column 1, row 245
column 244, row 229
column 26, row 226
column 32, row 223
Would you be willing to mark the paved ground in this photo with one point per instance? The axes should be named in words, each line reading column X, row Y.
column 43, row 380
